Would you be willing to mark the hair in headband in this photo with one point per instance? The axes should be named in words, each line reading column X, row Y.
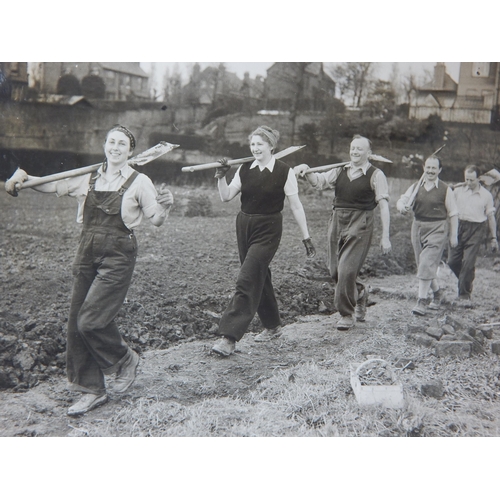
column 126, row 131
column 268, row 134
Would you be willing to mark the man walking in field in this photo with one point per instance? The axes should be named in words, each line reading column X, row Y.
column 476, row 213
column 359, row 188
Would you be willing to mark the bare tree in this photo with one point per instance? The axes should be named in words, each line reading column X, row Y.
column 299, row 94
column 353, row 80
column 152, row 84
column 409, row 84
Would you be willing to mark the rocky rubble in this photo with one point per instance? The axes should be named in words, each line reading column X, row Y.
column 453, row 336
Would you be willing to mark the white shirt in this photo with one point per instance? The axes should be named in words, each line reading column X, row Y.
column 139, row 200
column 473, row 205
column 291, row 185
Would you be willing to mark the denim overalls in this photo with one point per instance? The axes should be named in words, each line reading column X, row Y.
column 102, row 272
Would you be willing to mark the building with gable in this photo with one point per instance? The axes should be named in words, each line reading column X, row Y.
column 121, row 81
column 474, row 99
column 303, row 85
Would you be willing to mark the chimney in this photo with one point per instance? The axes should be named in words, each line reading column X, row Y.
column 439, row 74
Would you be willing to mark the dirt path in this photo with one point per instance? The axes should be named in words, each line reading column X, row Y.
column 189, row 373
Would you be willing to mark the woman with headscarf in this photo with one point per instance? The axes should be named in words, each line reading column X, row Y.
column 111, row 203
column 264, row 185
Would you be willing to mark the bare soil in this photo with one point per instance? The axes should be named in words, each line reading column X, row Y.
column 184, row 278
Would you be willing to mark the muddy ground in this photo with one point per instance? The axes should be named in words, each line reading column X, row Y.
column 184, row 278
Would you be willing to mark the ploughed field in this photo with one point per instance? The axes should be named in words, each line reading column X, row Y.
column 298, row 385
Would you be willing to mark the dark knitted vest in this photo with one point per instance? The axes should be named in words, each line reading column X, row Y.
column 356, row 194
column 263, row 192
column 430, row 205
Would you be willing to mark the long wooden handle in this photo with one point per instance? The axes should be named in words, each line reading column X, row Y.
column 325, row 168
column 140, row 159
column 216, row 164
column 415, row 191
column 59, row 176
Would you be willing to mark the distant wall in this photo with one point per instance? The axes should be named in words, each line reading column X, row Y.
column 75, row 129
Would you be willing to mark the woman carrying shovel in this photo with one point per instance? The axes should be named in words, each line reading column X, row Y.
column 111, row 203
column 264, row 185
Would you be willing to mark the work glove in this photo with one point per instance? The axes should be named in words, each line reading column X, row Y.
column 18, row 177
column 310, row 250
column 221, row 171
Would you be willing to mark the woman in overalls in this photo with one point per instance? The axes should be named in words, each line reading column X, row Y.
column 111, row 203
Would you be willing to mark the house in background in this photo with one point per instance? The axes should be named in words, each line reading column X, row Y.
column 289, row 82
column 474, row 99
column 212, row 85
column 113, row 81
column 13, row 80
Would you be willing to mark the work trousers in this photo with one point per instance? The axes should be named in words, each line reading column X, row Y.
column 462, row 258
column 102, row 273
column 429, row 240
column 350, row 234
column 258, row 239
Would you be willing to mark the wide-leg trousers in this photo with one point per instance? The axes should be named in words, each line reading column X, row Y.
column 350, row 234
column 102, row 273
column 429, row 240
column 258, row 239
column 462, row 258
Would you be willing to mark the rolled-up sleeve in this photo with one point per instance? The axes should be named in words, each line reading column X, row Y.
column 450, row 203
column 490, row 207
column 405, row 198
column 146, row 198
column 291, row 184
column 236, row 181
column 380, row 186
column 326, row 180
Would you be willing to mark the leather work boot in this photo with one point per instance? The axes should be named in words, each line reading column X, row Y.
column 225, row 346
column 125, row 376
column 87, row 402
column 346, row 323
column 268, row 334
column 436, row 300
column 360, row 309
column 420, row 308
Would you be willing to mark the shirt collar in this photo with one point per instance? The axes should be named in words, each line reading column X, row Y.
column 269, row 166
column 363, row 168
column 473, row 190
column 436, row 182
column 124, row 171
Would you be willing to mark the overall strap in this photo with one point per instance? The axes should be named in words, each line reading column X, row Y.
column 128, row 182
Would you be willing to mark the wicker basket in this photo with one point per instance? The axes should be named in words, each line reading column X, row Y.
column 388, row 396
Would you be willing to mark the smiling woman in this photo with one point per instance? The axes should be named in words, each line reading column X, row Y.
column 264, row 185
column 111, row 203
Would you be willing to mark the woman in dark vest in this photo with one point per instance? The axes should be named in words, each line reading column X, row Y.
column 111, row 203
column 264, row 185
column 435, row 219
